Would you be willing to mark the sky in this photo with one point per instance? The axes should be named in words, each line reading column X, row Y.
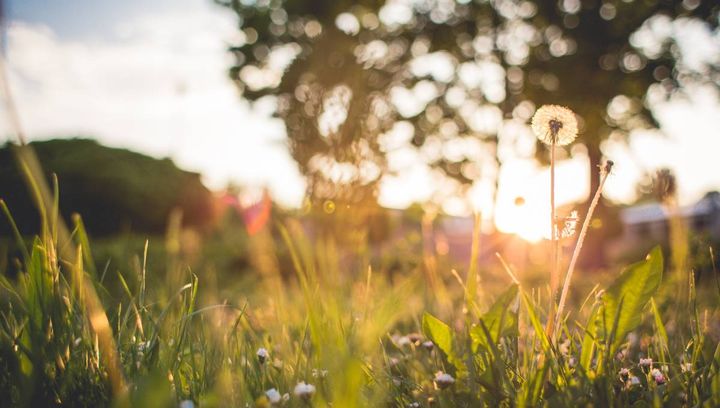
column 151, row 76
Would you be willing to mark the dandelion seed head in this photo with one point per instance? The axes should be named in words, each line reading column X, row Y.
column 555, row 122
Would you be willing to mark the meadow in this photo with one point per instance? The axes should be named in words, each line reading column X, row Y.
column 326, row 324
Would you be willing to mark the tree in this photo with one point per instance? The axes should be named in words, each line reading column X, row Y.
column 348, row 73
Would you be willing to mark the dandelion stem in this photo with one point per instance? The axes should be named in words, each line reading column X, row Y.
column 604, row 172
column 553, row 238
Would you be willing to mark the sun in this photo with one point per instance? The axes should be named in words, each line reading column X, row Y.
column 523, row 201
column 523, row 217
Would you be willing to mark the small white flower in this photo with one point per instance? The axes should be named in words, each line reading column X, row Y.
column 414, row 405
column 186, row 404
column 686, row 367
column 658, row 376
column 428, row 345
column 569, row 225
column 572, row 362
column 273, row 396
column 143, row 346
column 564, row 347
column 634, row 380
column 402, row 341
column 262, row 355
column 645, row 362
column 304, row 390
column 624, row 373
column 443, row 380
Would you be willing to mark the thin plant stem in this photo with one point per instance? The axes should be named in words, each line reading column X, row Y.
column 604, row 173
column 553, row 239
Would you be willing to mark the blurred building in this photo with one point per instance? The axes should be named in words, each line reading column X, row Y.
column 650, row 223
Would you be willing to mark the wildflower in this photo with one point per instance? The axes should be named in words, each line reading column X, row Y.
column 569, row 225
column 262, row 355
column 658, row 376
column 142, row 347
column 686, row 367
column 273, row 396
column 565, row 347
column 428, row 345
column 555, row 124
column 186, row 404
column 572, row 362
column 304, row 391
column 414, row 405
column 624, row 373
column 443, row 380
column 633, row 381
column 415, row 338
column 645, row 362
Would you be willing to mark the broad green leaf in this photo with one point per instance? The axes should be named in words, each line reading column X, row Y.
column 622, row 305
column 501, row 320
column 439, row 333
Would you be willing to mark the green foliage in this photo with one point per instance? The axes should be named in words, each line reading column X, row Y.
column 500, row 321
column 440, row 334
column 621, row 306
column 327, row 328
column 580, row 54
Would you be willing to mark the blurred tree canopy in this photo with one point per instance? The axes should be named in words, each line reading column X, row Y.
column 112, row 189
column 365, row 85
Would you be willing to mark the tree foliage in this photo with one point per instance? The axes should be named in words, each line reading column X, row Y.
column 455, row 81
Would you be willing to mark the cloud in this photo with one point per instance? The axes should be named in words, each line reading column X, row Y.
column 159, row 88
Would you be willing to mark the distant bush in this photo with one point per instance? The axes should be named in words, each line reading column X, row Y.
column 112, row 189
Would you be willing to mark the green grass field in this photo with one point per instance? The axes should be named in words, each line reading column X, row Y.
column 337, row 330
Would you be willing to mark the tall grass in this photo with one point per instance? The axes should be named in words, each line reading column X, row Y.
column 358, row 337
column 337, row 332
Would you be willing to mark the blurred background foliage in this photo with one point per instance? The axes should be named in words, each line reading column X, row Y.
column 115, row 190
column 357, row 79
